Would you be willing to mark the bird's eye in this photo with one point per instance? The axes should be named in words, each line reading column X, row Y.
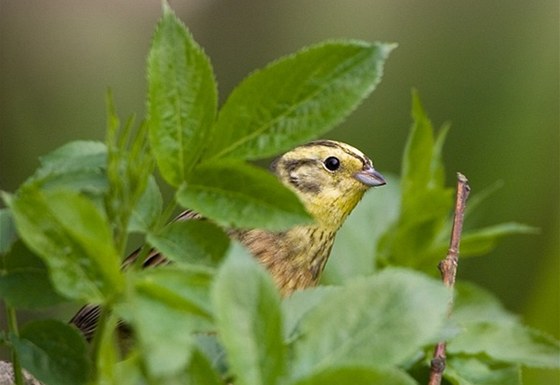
column 332, row 163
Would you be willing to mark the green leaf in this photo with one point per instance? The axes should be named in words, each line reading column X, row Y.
column 53, row 352
column 235, row 194
column 481, row 241
column 296, row 98
column 77, row 165
column 108, row 356
column 473, row 304
column 508, row 342
column 382, row 319
column 182, row 98
column 425, row 201
column 301, row 302
column 193, row 241
column 147, row 211
column 487, row 328
column 73, row 238
column 24, row 280
column 472, row 371
column 353, row 253
column 8, row 234
column 168, row 305
column 249, row 320
column 357, row 375
column 129, row 166
column 200, row 371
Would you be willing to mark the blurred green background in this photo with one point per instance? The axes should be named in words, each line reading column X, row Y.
column 491, row 68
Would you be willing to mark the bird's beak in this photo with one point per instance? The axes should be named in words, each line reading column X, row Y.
column 370, row 177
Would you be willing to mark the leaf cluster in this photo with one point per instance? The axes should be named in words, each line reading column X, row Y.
column 214, row 315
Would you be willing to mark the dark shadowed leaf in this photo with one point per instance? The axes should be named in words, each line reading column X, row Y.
column 53, row 352
column 24, row 280
column 8, row 233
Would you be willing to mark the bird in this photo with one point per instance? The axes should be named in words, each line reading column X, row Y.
column 329, row 178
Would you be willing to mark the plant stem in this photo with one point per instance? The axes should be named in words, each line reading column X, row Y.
column 13, row 328
column 448, row 270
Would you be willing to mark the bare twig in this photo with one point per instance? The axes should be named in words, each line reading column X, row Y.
column 448, row 270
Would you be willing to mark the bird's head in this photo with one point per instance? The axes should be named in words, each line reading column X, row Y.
column 329, row 177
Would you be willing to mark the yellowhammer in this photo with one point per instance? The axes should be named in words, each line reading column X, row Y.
column 329, row 178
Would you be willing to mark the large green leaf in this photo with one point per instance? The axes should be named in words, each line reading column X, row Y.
column 508, row 342
column 194, row 241
column 73, row 238
column 379, row 320
column 357, row 375
column 487, row 328
column 182, row 98
column 472, row 371
column 296, row 98
column 168, row 305
column 235, row 194
column 53, row 352
column 249, row 320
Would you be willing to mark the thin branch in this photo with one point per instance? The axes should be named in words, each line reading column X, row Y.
column 448, row 270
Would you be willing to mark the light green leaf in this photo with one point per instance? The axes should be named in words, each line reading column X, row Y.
column 108, row 356
column 53, row 352
column 508, row 342
column 169, row 304
column 357, row 375
column 148, row 209
column 301, row 302
column 249, row 320
column 77, row 165
column 481, row 241
column 193, row 241
column 73, row 238
column 473, row 304
column 297, row 98
column 382, row 319
column 472, row 371
column 182, row 98
column 235, row 194
column 24, row 280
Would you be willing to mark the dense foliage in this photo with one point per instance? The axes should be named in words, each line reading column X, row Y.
column 215, row 314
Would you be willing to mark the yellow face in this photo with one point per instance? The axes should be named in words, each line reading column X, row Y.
column 329, row 177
